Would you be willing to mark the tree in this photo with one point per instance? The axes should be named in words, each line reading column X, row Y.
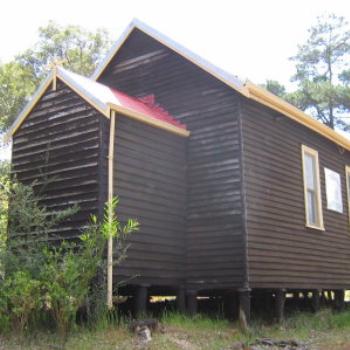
column 77, row 49
column 275, row 87
column 4, row 187
column 16, row 84
column 322, row 73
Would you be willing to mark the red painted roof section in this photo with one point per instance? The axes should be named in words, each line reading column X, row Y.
column 146, row 105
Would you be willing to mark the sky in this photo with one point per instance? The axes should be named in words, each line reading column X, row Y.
column 251, row 39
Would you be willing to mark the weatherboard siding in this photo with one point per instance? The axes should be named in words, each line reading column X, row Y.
column 150, row 181
column 57, row 146
column 214, row 238
column 282, row 252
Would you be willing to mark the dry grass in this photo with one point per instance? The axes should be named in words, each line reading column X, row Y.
column 323, row 331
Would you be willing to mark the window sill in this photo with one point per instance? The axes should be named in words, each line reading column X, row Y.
column 319, row 228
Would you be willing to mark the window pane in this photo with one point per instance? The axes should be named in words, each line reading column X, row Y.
column 313, row 204
column 312, row 208
column 333, row 190
column 310, row 171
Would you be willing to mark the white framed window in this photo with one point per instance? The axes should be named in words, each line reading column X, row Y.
column 312, row 188
column 347, row 175
column 333, row 190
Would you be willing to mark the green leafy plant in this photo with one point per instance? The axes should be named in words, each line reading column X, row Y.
column 23, row 296
column 68, row 270
column 49, row 280
column 112, row 227
column 66, row 276
column 24, row 232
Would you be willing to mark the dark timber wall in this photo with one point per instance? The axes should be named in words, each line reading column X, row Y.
column 59, row 141
column 221, row 209
column 215, row 247
column 150, row 180
column 282, row 251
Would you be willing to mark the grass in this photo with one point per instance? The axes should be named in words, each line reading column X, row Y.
column 324, row 331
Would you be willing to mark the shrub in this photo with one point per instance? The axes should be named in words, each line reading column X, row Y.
column 23, row 296
column 45, row 279
column 67, row 273
column 69, row 269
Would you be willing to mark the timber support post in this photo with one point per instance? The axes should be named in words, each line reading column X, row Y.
column 230, row 305
column 181, row 300
column 244, row 308
column 110, row 212
column 316, row 300
column 141, row 300
column 280, row 301
column 192, row 303
column 339, row 299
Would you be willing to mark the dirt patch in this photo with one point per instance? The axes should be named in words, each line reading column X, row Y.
column 181, row 341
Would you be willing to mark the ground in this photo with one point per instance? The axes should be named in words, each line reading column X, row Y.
column 322, row 331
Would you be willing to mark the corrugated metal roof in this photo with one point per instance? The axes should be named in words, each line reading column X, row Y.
column 103, row 96
column 100, row 95
column 246, row 88
column 228, row 78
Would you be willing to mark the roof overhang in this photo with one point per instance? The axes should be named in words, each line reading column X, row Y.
column 227, row 78
column 268, row 99
column 246, row 89
column 150, row 121
column 104, row 108
column 29, row 106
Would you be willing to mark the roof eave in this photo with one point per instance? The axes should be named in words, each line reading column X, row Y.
column 218, row 73
column 83, row 93
column 29, row 106
column 270, row 100
column 113, row 50
column 160, row 124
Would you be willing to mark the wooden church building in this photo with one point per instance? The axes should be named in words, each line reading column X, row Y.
column 237, row 192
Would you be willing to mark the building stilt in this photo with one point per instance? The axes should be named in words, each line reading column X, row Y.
column 339, row 299
column 244, row 308
column 141, row 300
column 231, row 305
column 181, row 300
column 192, row 303
column 316, row 300
column 280, row 300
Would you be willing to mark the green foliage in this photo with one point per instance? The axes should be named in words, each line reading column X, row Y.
column 43, row 280
column 111, row 227
column 16, row 85
column 23, row 297
column 275, row 87
column 24, row 231
column 322, row 74
column 67, row 272
column 29, row 225
column 4, row 190
column 77, row 49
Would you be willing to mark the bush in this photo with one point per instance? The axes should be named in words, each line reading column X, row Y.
column 23, row 296
column 46, row 280
column 67, row 273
